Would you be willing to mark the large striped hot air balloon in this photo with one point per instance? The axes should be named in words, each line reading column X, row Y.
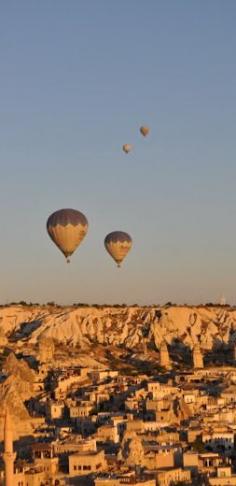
column 67, row 228
column 118, row 244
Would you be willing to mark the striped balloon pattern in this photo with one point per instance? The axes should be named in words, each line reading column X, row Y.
column 67, row 228
column 118, row 244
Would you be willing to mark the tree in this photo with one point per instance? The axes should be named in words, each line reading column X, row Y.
column 198, row 445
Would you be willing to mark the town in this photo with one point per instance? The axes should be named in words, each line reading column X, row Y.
column 71, row 420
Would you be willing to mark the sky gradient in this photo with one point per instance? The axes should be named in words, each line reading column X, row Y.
column 77, row 80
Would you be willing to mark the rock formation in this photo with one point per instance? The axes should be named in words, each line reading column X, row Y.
column 12, row 400
column 126, row 326
column 23, row 375
column 164, row 356
column 14, row 391
column 197, row 357
column 46, row 349
column 234, row 351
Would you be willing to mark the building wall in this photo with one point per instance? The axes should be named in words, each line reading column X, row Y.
column 120, row 482
column 34, row 479
column 48, row 465
column 222, row 481
column 159, row 460
column 108, row 433
column 165, row 478
column 82, row 464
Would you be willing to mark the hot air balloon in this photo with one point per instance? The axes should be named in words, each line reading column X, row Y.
column 118, row 245
column 67, row 228
column 127, row 147
column 144, row 131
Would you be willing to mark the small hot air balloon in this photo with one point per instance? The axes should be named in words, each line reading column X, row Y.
column 127, row 147
column 118, row 244
column 67, row 228
column 144, row 131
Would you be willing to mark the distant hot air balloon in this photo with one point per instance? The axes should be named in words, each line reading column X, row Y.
column 127, row 147
column 118, row 245
column 144, row 131
column 67, row 228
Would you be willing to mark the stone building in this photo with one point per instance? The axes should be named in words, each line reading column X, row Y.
column 168, row 477
column 120, row 480
column 223, row 477
column 87, row 462
column 45, row 460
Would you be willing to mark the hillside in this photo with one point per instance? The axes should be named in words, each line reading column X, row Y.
column 128, row 327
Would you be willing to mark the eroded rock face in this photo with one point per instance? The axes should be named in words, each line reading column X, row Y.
column 13, row 392
column 126, row 326
column 15, row 389
column 20, row 370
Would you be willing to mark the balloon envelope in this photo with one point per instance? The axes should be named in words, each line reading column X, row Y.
column 144, row 131
column 67, row 228
column 127, row 147
column 118, row 244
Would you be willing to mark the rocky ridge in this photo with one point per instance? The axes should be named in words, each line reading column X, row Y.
column 128, row 327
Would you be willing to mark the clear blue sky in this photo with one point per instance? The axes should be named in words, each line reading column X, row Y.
column 77, row 80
